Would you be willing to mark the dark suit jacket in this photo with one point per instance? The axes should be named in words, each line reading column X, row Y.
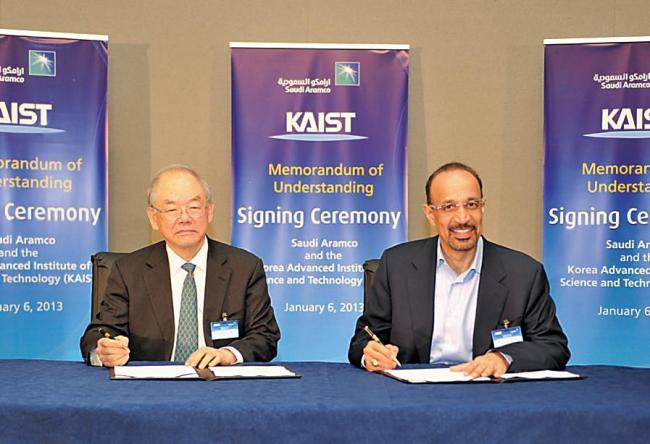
column 513, row 286
column 138, row 304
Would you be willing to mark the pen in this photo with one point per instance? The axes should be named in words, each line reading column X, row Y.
column 108, row 335
column 105, row 333
column 376, row 339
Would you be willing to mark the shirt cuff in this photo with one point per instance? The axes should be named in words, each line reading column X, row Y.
column 94, row 359
column 239, row 358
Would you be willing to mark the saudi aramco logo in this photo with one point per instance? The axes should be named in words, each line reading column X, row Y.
column 347, row 73
column 42, row 63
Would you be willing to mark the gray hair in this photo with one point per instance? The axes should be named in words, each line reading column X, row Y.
column 151, row 191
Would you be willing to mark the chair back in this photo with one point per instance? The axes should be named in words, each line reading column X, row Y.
column 102, row 265
column 369, row 269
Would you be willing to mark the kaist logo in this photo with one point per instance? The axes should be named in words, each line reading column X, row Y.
column 306, row 122
column 25, row 118
column 624, row 123
column 319, row 127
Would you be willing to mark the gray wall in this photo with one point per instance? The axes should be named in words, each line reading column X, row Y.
column 476, row 87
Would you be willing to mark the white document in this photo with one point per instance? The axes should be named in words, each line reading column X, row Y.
column 420, row 375
column 155, row 372
column 256, row 371
column 187, row 372
column 541, row 374
column 424, row 375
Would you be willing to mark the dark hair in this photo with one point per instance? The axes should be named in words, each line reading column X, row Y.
column 451, row 166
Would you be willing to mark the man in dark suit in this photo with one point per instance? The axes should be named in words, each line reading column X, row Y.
column 187, row 298
column 443, row 299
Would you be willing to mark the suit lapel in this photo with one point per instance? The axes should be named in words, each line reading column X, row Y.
column 216, row 283
column 159, row 290
column 492, row 296
column 420, row 284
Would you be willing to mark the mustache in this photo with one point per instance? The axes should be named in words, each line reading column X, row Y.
column 462, row 226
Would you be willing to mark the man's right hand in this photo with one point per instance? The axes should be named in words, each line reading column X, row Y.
column 112, row 352
column 379, row 357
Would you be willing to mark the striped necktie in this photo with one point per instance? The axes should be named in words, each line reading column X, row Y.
column 187, row 338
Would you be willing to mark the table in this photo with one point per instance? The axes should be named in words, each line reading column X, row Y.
column 51, row 401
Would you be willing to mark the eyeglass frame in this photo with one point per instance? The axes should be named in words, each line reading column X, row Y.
column 167, row 213
column 451, row 207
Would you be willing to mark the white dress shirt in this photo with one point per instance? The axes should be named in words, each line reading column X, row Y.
column 455, row 310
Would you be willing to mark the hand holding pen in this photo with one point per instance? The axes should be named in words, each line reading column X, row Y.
column 112, row 350
column 378, row 356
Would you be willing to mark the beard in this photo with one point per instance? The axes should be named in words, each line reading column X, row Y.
column 465, row 244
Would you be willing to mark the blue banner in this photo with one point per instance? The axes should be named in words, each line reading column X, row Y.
column 596, row 197
column 319, row 180
column 53, row 186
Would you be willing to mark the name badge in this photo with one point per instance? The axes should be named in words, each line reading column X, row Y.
column 224, row 329
column 506, row 336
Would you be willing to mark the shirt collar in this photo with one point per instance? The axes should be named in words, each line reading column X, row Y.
column 200, row 259
column 477, row 262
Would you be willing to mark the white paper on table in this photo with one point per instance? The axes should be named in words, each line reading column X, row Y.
column 421, row 375
column 541, row 374
column 155, row 372
column 188, row 372
column 254, row 371
column 433, row 375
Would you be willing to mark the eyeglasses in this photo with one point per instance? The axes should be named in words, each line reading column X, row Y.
column 448, row 207
column 171, row 214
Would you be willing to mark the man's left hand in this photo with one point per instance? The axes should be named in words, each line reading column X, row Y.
column 210, row 357
column 489, row 364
